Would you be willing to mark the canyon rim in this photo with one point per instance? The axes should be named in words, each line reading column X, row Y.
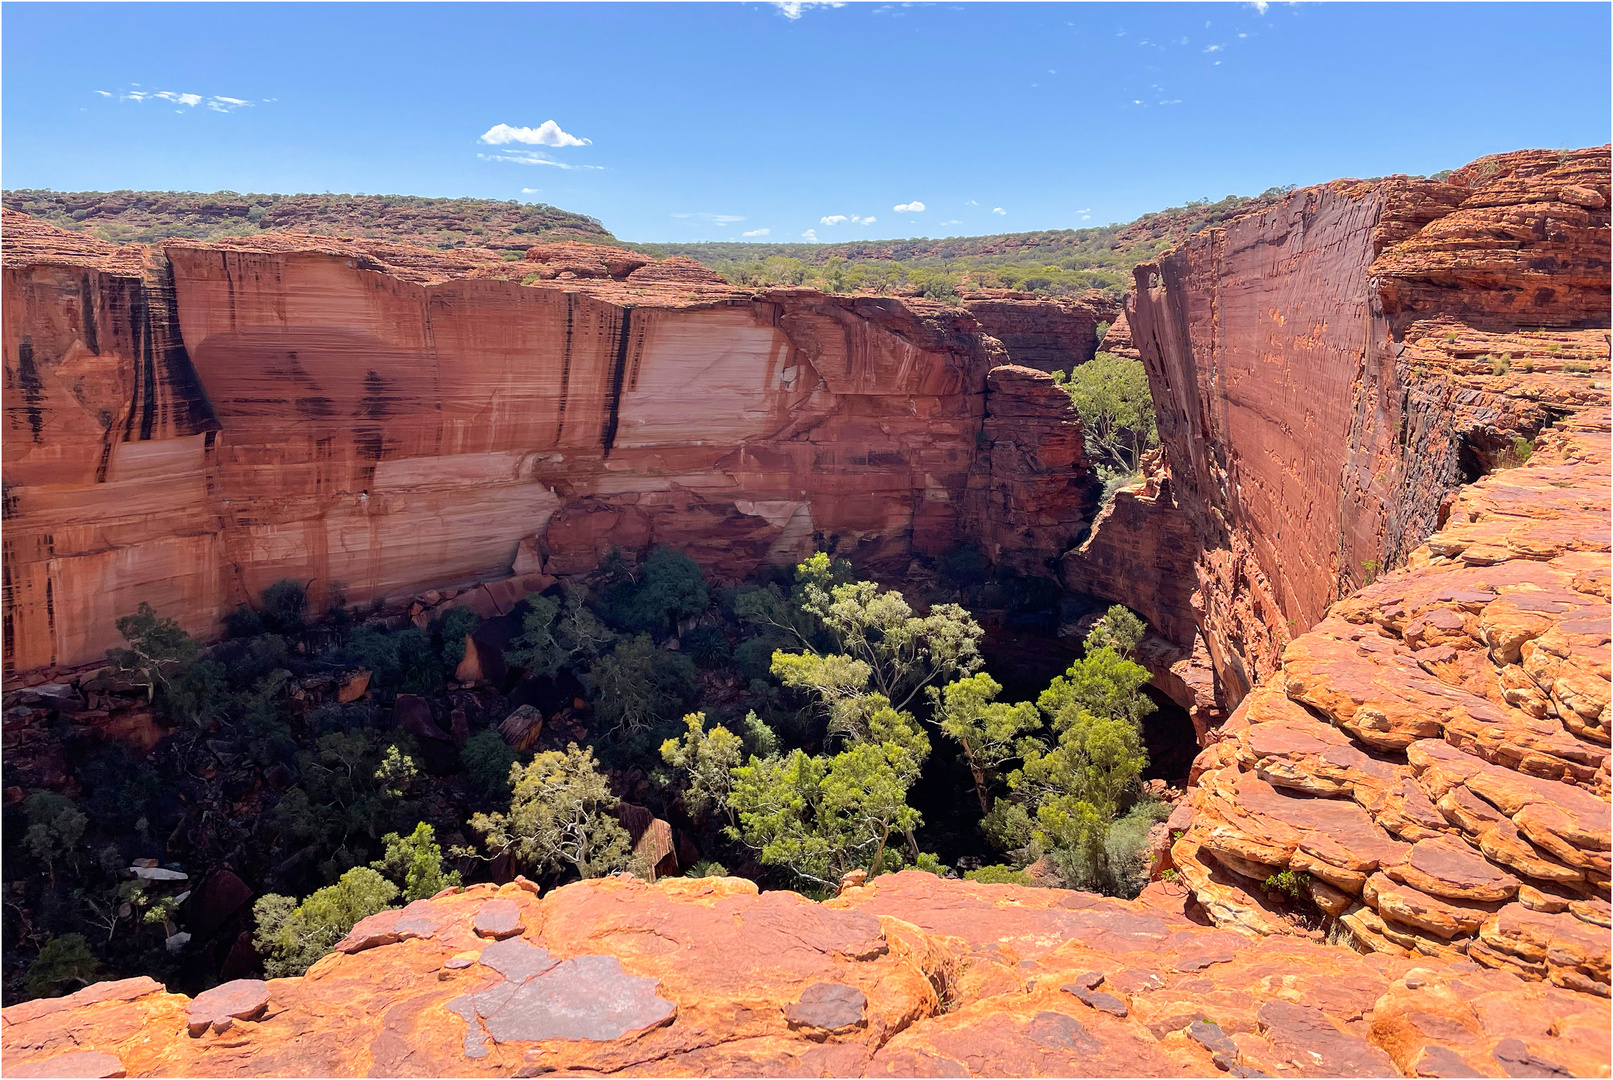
column 1371, row 553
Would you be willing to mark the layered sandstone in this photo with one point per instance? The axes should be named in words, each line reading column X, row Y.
column 1049, row 335
column 189, row 424
column 1435, row 753
column 911, row 976
column 1329, row 369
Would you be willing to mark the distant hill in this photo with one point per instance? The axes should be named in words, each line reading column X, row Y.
column 146, row 216
column 1058, row 262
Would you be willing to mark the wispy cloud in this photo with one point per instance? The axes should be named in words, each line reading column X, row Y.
column 954, row 221
column 1214, row 48
column 793, row 9
column 214, row 102
column 914, row 207
column 533, row 157
column 998, row 210
column 715, row 219
column 832, row 219
column 531, row 191
column 547, row 133
column 756, row 232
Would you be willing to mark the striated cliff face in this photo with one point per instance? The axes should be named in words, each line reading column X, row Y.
column 1328, row 370
column 188, row 425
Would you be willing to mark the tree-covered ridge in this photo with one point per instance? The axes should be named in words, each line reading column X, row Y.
column 1055, row 262
column 124, row 217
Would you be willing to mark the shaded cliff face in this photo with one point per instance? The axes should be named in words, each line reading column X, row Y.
column 190, row 425
column 1328, row 370
column 911, row 976
column 1048, row 335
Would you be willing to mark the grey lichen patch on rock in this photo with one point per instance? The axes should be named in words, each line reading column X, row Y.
column 541, row 998
column 828, row 1006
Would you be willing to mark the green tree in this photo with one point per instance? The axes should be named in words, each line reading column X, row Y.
column 988, row 730
column 668, row 589
column 1111, row 395
column 455, row 626
column 556, row 635
column 1078, row 786
column 820, row 817
column 1120, row 629
column 562, row 814
column 637, row 685
column 355, row 787
column 62, row 961
column 487, row 758
column 284, row 608
column 157, row 650
column 415, row 863
column 55, row 827
column 292, row 936
column 708, row 759
column 878, row 643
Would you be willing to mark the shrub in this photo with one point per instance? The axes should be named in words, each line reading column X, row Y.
column 670, row 588
column 487, row 759
column 1296, row 885
column 452, row 630
column 62, row 961
column 1120, row 629
column 55, row 827
column 999, row 874
column 638, row 685
column 707, row 646
column 414, row 862
column 293, row 936
column 284, row 607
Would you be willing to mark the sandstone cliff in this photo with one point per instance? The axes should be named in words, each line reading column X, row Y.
column 911, row 976
column 189, row 424
column 1329, row 369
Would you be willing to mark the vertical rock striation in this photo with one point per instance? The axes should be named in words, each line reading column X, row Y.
column 188, row 425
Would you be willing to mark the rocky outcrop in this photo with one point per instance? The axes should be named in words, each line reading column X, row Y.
column 911, row 976
column 1329, row 369
column 192, row 423
column 1048, row 335
column 1034, row 492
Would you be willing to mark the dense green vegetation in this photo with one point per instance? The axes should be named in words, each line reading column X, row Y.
column 782, row 727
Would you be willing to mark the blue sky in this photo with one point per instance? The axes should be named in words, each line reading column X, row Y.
column 717, row 121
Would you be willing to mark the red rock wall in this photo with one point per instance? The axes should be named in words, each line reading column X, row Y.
column 373, row 421
column 1048, row 335
column 1315, row 394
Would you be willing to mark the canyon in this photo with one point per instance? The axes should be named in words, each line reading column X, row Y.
column 1372, row 552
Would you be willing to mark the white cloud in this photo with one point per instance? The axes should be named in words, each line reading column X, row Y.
column 998, row 210
column 954, row 221
column 547, row 133
column 971, row 202
column 531, row 191
column 914, row 207
column 869, row 220
column 809, row 235
column 832, row 219
column 217, row 102
column 1260, row 6
column 793, row 9
column 1243, row 35
column 1088, row 210
column 755, row 232
column 1172, row 101
column 1215, row 48
column 532, row 157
